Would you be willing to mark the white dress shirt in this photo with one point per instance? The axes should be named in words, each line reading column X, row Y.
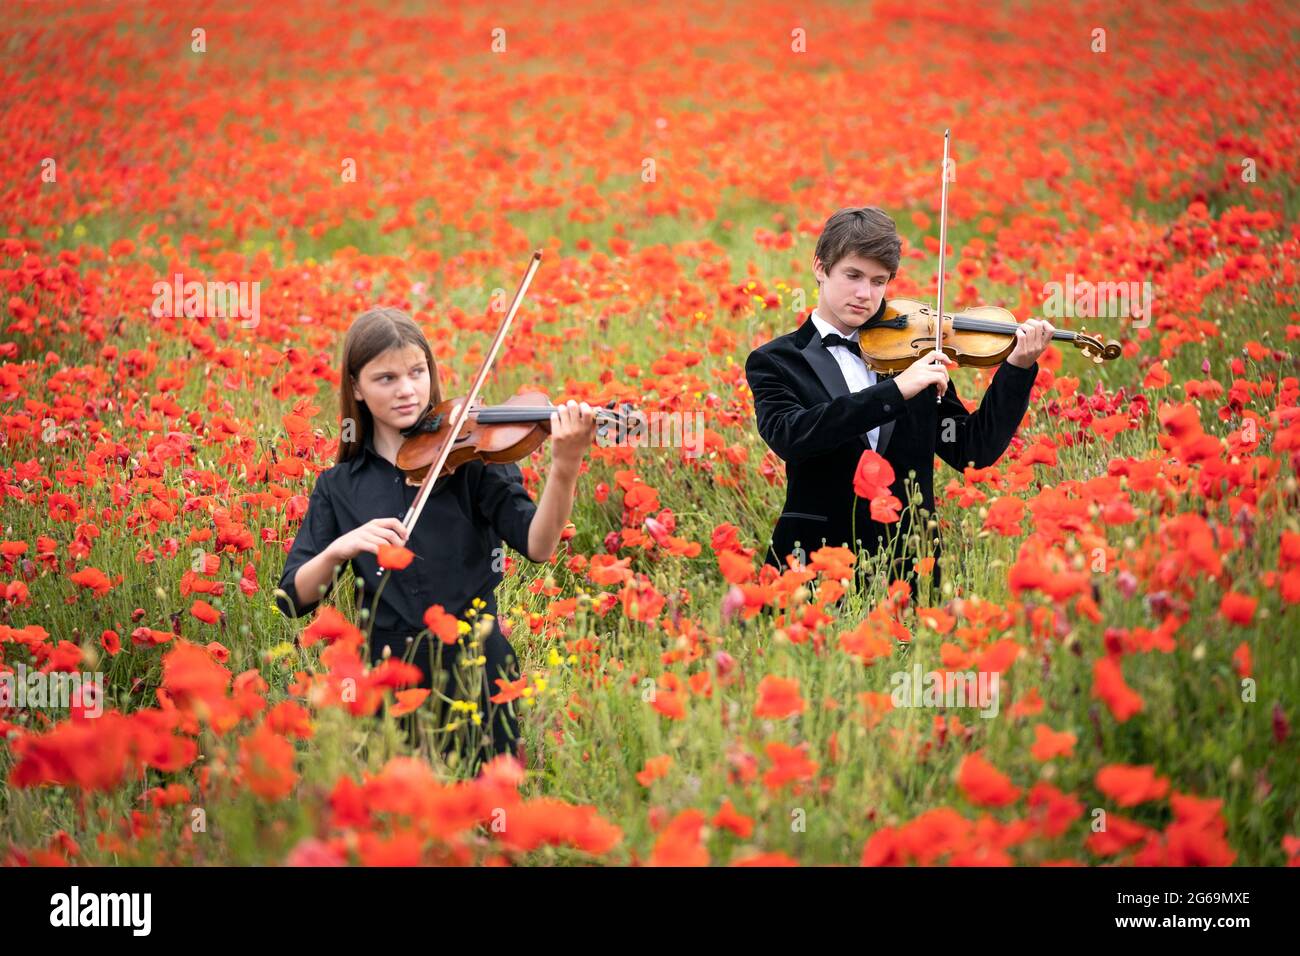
column 857, row 375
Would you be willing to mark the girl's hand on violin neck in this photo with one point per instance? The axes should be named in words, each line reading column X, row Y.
column 1032, row 339
column 573, row 429
column 368, row 537
column 929, row 369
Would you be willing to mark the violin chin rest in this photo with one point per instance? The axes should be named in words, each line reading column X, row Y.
column 431, row 424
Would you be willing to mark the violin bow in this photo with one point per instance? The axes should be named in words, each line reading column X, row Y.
column 461, row 412
column 943, row 241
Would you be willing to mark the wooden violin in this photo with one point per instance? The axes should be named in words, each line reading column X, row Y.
column 455, row 420
column 980, row 337
column 495, row 433
column 458, row 430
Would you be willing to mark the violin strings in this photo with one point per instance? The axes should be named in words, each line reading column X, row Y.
column 989, row 325
column 526, row 413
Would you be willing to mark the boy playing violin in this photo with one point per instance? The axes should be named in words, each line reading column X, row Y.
column 819, row 405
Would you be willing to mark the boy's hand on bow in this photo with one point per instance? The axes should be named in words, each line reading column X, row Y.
column 929, row 369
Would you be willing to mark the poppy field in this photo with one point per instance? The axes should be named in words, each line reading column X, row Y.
column 197, row 205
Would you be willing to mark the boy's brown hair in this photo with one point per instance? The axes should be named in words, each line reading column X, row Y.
column 866, row 231
column 374, row 331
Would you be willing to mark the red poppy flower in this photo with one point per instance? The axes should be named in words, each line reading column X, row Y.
column 205, row 612
column 885, row 508
column 679, row 843
column 1129, row 786
column 778, row 698
column 736, row 568
column 509, row 690
column 445, row 627
column 1109, row 686
column 655, row 768
column 266, row 761
column 1048, row 743
column 983, row 784
column 729, row 818
column 1238, row 608
column 409, row 700
column 873, row 477
column 394, row 556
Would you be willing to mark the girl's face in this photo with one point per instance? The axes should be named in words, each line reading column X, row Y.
column 395, row 386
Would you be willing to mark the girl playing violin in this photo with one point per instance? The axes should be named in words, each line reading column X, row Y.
column 388, row 381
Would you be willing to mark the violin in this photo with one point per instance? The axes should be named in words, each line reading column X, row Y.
column 455, row 421
column 979, row 337
column 460, row 429
column 495, row 433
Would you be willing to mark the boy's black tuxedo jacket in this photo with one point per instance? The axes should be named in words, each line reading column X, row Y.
column 807, row 415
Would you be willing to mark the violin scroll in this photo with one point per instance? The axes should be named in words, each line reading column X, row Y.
column 1093, row 347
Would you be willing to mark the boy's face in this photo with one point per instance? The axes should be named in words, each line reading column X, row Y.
column 851, row 291
column 395, row 386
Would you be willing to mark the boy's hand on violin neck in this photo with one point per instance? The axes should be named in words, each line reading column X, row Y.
column 368, row 537
column 1032, row 339
column 929, row 369
column 573, row 429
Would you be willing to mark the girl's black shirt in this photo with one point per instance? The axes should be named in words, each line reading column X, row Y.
column 456, row 541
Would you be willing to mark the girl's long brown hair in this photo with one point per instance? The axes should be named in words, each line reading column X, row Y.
column 373, row 332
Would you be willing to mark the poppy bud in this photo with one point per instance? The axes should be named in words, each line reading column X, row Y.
column 656, row 530
column 1127, row 583
column 1281, row 726
column 732, row 602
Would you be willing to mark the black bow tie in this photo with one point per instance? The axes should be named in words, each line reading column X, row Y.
column 830, row 338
